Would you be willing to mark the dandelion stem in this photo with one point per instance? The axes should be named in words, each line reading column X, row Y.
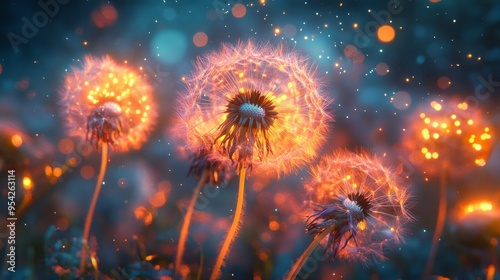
column 90, row 214
column 187, row 222
column 231, row 234
column 202, row 260
column 303, row 258
column 440, row 219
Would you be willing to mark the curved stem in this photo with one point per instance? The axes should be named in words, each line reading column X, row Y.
column 441, row 216
column 90, row 214
column 231, row 234
column 187, row 221
column 294, row 271
column 200, row 269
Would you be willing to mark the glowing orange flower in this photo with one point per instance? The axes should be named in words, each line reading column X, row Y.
column 448, row 130
column 108, row 103
column 363, row 203
column 258, row 105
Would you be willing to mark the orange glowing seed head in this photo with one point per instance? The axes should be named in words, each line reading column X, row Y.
column 261, row 105
column 450, row 131
column 105, row 102
column 369, row 199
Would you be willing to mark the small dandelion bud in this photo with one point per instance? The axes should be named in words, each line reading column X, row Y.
column 219, row 172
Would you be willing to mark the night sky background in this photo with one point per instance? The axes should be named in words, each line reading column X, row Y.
column 441, row 49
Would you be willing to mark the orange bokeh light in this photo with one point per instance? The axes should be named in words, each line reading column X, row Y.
column 158, row 199
column 386, row 33
column 239, row 10
column 382, row 69
column 107, row 15
column 87, row 172
column 57, row 172
column 17, row 140
column 66, row 146
column 483, row 206
column 274, row 226
column 27, row 183
column 200, row 39
column 443, row 82
column 143, row 214
column 62, row 224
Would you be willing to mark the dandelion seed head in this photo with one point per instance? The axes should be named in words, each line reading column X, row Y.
column 366, row 202
column 262, row 105
column 448, row 130
column 104, row 102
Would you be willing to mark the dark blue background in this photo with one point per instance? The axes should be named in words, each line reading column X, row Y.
column 428, row 45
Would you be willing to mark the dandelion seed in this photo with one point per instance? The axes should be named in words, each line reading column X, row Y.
column 360, row 209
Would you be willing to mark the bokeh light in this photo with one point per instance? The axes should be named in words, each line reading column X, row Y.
column 169, row 46
column 386, row 33
column 401, row 100
column 200, row 39
column 382, row 69
column 105, row 16
column 239, row 10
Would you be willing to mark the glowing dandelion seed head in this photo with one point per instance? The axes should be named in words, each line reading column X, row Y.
column 365, row 203
column 104, row 102
column 447, row 130
column 261, row 106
